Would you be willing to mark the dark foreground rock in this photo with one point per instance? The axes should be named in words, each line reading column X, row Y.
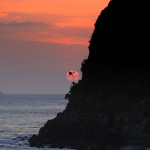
column 110, row 106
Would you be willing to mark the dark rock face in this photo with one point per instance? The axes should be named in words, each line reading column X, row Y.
column 110, row 106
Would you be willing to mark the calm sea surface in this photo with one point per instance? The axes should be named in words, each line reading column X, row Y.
column 23, row 115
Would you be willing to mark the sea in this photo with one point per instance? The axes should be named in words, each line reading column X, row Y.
column 23, row 115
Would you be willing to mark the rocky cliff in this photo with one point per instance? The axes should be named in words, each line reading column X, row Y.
column 110, row 106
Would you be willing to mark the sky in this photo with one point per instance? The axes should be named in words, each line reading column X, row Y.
column 41, row 40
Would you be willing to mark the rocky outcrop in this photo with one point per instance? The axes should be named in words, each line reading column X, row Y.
column 110, row 106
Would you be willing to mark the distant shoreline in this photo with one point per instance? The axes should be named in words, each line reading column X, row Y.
column 27, row 94
column 1, row 93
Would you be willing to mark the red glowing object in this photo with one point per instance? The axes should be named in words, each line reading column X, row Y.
column 72, row 76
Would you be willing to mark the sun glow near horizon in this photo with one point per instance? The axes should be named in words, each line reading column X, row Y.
column 40, row 40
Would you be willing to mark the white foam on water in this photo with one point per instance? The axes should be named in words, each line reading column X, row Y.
column 23, row 115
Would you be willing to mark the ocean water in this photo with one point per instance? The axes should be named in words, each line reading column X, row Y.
column 23, row 115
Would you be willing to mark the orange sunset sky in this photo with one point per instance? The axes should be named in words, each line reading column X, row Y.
column 40, row 40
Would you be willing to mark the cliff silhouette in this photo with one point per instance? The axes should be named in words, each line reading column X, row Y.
column 110, row 106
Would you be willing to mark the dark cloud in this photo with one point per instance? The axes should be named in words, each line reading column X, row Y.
column 38, row 16
column 20, row 24
column 75, row 31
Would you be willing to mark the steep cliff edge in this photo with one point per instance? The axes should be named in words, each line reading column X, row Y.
column 110, row 106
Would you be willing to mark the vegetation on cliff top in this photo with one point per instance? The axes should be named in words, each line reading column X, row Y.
column 109, row 106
